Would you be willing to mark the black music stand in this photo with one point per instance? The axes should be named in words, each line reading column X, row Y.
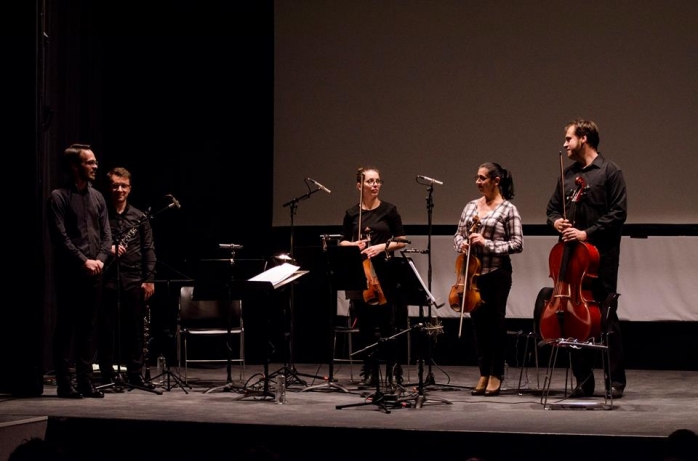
column 344, row 268
column 413, row 292
column 221, row 284
column 266, row 286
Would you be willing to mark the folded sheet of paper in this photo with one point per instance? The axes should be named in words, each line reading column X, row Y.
column 276, row 274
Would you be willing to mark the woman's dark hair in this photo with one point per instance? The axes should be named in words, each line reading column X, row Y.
column 506, row 182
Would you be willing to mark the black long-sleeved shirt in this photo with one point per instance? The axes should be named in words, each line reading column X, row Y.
column 78, row 226
column 137, row 265
column 601, row 208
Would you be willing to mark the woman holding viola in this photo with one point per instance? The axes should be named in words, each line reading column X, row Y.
column 491, row 226
column 372, row 224
column 598, row 220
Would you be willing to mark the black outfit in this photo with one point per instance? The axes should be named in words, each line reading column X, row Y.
column 377, row 321
column 600, row 211
column 79, row 230
column 132, row 229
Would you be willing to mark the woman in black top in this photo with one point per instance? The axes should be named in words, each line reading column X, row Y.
column 371, row 225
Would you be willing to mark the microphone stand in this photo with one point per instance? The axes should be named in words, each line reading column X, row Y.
column 119, row 382
column 289, row 370
column 429, row 380
column 167, row 376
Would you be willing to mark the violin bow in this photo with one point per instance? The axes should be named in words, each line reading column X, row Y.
column 476, row 221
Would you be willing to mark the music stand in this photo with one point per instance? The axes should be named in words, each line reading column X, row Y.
column 266, row 283
column 224, row 287
column 413, row 292
column 344, row 268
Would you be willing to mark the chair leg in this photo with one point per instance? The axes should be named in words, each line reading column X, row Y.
column 351, row 358
column 552, row 361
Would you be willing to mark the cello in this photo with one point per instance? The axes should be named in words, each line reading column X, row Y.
column 571, row 311
column 465, row 295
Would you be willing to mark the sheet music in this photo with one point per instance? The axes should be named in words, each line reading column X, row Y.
column 277, row 274
column 426, row 290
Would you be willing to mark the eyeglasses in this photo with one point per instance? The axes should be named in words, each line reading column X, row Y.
column 117, row 186
column 371, row 182
column 91, row 163
column 481, row 178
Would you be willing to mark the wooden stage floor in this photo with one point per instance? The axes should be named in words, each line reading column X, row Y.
column 443, row 420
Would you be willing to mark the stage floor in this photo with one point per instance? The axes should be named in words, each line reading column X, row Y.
column 341, row 421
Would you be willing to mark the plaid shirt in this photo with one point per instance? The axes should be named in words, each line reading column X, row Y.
column 501, row 229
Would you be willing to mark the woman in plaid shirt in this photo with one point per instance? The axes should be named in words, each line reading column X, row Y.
column 496, row 235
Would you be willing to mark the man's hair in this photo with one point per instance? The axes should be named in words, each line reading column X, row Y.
column 586, row 128
column 71, row 155
column 119, row 172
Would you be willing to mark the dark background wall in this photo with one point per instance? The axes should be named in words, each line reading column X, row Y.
column 181, row 94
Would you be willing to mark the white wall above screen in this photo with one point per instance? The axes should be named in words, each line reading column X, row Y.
column 436, row 88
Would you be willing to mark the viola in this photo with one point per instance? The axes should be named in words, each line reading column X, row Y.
column 572, row 311
column 465, row 295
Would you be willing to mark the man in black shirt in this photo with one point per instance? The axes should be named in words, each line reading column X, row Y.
column 598, row 219
column 81, row 236
column 128, row 284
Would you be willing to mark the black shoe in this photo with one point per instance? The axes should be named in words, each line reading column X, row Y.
column 580, row 392
column 369, row 380
column 87, row 389
column 68, row 392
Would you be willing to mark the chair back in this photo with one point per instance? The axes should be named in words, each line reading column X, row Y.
column 207, row 313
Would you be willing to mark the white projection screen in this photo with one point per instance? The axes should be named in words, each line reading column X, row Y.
column 437, row 87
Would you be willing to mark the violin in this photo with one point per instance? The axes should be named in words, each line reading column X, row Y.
column 571, row 311
column 373, row 294
column 465, row 295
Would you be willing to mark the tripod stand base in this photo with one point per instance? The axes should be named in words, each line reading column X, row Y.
column 119, row 385
column 384, row 402
column 229, row 387
column 328, row 385
column 168, row 375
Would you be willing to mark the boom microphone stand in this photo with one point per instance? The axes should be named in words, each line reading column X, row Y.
column 119, row 382
column 289, row 369
column 429, row 182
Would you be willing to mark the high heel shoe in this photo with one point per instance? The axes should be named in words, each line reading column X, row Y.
column 481, row 386
column 491, row 391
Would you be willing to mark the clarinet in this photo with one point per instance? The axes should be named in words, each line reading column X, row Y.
column 146, row 340
column 128, row 236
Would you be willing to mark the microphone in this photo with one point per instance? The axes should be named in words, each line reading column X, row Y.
column 431, row 180
column 415, row 250
column 319, row 185
column 229, row 246
column 175, row 202
column 400, row 240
